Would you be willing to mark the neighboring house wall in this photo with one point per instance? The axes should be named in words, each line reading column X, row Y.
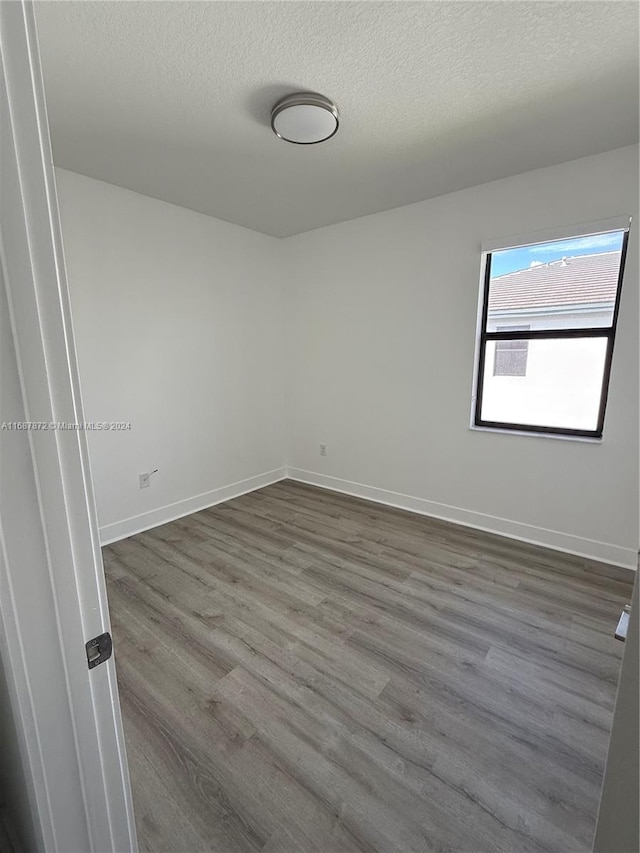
column 559, row 320
column 382, row 313
column 561, row 385
column 178, row 328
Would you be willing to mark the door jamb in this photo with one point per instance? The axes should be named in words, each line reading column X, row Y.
column 37, row 293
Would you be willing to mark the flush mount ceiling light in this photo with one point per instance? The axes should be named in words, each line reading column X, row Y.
column 304, row 118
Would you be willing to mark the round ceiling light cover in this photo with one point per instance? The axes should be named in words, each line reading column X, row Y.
column 305, row 118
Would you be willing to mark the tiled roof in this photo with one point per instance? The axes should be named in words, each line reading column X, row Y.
column 582, row 280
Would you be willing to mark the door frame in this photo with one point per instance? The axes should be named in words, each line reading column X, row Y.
column 97, row 814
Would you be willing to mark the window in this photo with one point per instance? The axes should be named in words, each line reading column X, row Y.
column 549, row 314
column 511, row 356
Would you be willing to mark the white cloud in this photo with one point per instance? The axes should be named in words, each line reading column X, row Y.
column 578, row 244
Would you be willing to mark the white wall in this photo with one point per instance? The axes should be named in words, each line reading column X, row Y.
column 178, row 328
column 180, row 324
column 382, row 319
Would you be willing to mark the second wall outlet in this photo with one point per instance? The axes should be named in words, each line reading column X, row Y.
column 323, row 450
column 145, row 480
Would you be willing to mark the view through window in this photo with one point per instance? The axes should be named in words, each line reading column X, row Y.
column 511, row 356
column 548, row 327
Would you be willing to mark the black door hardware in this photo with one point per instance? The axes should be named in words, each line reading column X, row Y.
column 99, row 650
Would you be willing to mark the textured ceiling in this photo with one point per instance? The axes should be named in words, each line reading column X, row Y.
column 173, row 99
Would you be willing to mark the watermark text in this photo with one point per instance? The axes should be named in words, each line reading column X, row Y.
column 26, row 426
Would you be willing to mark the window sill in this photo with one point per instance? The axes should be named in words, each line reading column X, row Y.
column 585, row 439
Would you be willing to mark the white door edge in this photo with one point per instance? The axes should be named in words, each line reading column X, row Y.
column 37, row 294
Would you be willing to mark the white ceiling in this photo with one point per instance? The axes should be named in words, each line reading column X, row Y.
column 172, row 99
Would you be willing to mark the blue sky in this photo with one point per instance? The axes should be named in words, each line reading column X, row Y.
column 510, row 260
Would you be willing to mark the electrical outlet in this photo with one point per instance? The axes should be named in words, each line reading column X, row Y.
column 323, row 450
column 145, row 480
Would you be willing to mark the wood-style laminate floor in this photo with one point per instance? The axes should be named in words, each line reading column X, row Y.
column 302, row 671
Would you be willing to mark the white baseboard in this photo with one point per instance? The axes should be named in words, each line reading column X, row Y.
column 567, row 542
column 558, row 541
column 146, row 520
